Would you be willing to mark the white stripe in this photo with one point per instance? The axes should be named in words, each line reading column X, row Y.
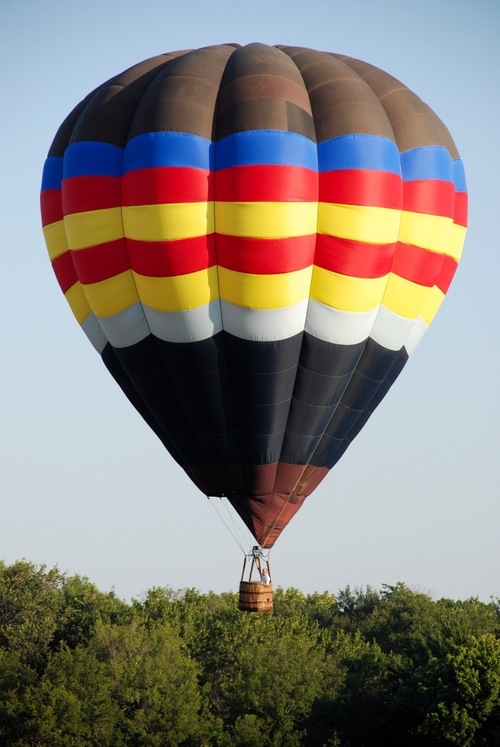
column 185, row 326
column 126, row 328
column 394, row 332
column 390, row 329
column 264, row 325
column 419, row 329
column 92, row 329
column 339, row 327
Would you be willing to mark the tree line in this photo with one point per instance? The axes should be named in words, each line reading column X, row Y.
column 361, row 668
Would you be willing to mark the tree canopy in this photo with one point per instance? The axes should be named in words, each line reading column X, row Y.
column 362, row 668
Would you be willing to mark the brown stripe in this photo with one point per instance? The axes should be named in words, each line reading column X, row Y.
column 262, row 90
column 265, row 114
column 263, row 87
column 342, row 103
column 413, row 122
column 298, row 479
column 65, row 131
column 184, row 95
column 266, row 516
column 108, row 115
column 272, row 495
column 261, row 59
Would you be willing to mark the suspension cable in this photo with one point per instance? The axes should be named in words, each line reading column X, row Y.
column 232, row 531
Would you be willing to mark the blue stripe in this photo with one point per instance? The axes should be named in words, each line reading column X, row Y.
column 359, row 152
column 458, row 174
column 92, row 158
column 427, row 162
column 52, row 173
column 167, row 149
column 266, row 148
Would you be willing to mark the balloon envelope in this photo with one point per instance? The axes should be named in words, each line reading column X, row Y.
column 254, row 239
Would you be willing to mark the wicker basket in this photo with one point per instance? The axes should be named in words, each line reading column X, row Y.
column 255, row 597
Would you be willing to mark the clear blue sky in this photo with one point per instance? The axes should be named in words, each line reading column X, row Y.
column 85, row 486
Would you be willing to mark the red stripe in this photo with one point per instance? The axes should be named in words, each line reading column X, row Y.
column 170, row 258
column 266, row 184
column 162, row 185
column 258, row 256
column 265, row 256
column 431, row 196
column 354, row 258
column 82, row 193
column 96, row 263
column 460, row 211
column 418, row 265
column 448, row 270
column 64, row 270
column 361, row 187
column 51, row 206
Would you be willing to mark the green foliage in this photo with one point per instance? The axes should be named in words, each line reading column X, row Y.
column 84, row 607
column 30, row 603
column 465, row 686
column 275, row 677
column 183, row 669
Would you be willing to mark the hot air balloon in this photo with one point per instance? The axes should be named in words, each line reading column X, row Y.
column 254, row 239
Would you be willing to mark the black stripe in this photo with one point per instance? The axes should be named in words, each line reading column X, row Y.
column 361, row 398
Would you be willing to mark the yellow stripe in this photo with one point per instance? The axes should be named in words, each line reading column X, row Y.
column 347, row 293
column 411, row 300
column 266, row 220
column 93, row 227
column 427, row 231
column 373, row 225
column 182, row 292
column 178, row 293
column 168, row 222
column 55, row 238
column 264, row 291
column 432, row 304
column 113, row 295
column 457, row 238
column 78, row 302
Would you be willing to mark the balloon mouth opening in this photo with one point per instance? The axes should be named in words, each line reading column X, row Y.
column 265, row 496
column 266, row 515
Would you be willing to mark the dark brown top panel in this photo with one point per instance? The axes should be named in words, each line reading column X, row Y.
column 224, row 89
